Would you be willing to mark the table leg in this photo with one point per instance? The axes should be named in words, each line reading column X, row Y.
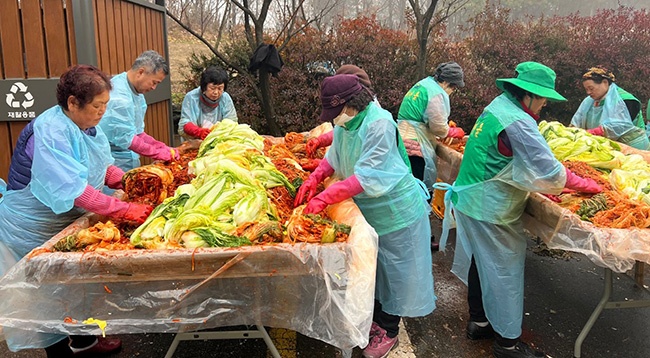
column 607, row 292
column 639, row 268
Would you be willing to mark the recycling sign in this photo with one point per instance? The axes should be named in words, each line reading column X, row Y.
column 13, row 100
column 25, row 99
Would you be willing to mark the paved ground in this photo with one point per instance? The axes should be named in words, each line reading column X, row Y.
column 561, row 292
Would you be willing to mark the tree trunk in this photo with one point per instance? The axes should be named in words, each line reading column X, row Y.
column 267, row 103
column 422, row 52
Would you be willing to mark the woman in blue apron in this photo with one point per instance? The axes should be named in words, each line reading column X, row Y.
column 365, row 155
column 71, row 163
column 505, row 158
column 423, row 116
column 610, row 111
column 206, row 105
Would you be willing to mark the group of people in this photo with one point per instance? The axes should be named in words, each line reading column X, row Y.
column 387, row 167
column 68, row 159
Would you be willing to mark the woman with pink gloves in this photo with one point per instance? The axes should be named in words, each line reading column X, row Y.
column 366, row 154
column 69, row 161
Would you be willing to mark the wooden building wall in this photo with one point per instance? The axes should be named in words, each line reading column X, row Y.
column 26, row 52
column 37, row 40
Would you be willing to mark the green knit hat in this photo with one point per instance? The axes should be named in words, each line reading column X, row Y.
column 534, row 78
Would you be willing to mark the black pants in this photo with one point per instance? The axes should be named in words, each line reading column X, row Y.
column 417, row 166
column 475, row 302
column 386, row 321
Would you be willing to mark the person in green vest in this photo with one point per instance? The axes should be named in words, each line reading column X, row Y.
column 505, row 159
column 423, row 116
column 610, row 111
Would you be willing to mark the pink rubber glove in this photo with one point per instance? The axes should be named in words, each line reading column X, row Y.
column 97, row 202
column 335, row 193
column 308, row 187
column 455, row 132
column 150, row 140
column 413, row 148
column 554, row 198
column 163, row 152
column 584, row 185
column 597, row 131
column 322, row 140
column 113, row 177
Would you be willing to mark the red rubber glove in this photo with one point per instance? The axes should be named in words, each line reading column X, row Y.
column 308, row 187
column 455, row 132
column 204, row 133
column 323, row 140
column 335, row 193
column 113, row 177
column 97, row 202
column 192, row 129
column 158, row 152
column 311, row 165
column 584, row 185
column 597, row 131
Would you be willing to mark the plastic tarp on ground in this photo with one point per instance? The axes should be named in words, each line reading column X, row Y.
column 616, row 249
column 322, row 291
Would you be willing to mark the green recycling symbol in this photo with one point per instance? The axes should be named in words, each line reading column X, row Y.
column 15, row 103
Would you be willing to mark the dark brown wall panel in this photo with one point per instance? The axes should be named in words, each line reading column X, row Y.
column 133, row 53
column 112, row 41
column 72, row 42
column 5, row 150
column 34, row 39
column 11, row 40
column 119, row 37
column 56, row 41
column 102, row 34
column 14, row 131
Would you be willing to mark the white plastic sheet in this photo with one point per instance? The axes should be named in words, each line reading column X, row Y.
column 322, row 291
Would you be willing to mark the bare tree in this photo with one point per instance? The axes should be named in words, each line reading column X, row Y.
column 425, row 21
column 255, row 14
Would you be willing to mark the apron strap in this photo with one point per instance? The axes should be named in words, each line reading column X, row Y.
column 448, row 222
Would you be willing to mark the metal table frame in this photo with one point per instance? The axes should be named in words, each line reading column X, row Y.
column 260, row 332
column 604, row 304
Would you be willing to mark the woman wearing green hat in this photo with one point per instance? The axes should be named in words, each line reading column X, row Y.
column 610, row 111
column 505, row 158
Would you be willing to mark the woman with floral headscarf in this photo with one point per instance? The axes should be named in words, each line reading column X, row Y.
column 610, row 111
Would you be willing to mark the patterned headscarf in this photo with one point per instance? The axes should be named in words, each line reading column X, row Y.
column 598, row 73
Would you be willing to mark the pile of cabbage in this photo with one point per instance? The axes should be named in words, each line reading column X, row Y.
column 226, row 204
column 629, row 174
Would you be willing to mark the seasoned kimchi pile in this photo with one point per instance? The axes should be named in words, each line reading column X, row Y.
column 609, row 209
column 234, row 188
column 151, row 184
